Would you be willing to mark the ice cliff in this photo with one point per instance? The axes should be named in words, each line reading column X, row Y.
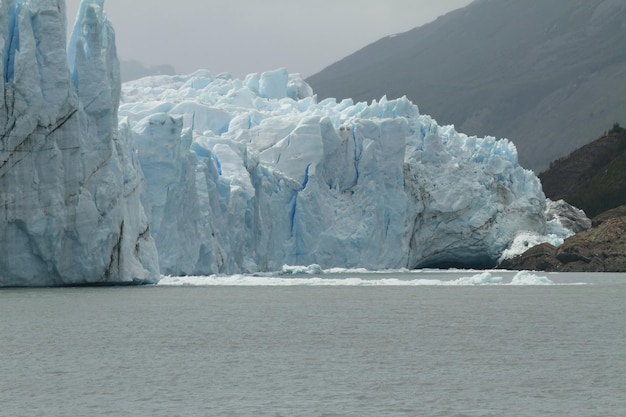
column 69, row 189
column 240, row 175
column 249, row 175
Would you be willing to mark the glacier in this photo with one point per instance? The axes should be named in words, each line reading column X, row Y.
column 199, row 174
column 250, row 175
column 69, row 189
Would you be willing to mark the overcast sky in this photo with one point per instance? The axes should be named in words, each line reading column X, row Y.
column 245, row 36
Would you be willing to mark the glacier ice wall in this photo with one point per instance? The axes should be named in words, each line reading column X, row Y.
column 249, row 175
column 69, row 190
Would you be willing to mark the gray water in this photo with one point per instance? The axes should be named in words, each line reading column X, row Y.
column 494, row 350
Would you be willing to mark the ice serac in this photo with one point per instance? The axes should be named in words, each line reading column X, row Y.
column 258, row 174
column 69, row 191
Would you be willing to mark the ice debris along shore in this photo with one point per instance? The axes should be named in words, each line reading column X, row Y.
column 69, row 189
column 249, row 175
column 348, row 278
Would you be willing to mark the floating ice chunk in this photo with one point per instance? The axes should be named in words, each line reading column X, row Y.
column 484, row 278
column 527, row 278
column 302, row 270
column 321, row 278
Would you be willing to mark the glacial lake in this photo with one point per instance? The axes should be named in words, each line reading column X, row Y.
column 346, row 343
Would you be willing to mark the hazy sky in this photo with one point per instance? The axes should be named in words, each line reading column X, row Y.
column 244, row 36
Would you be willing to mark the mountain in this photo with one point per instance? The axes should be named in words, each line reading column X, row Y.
column 547, row 74
column 593, row 177
column 69, row 190
column 133, row 70
column 251, row 175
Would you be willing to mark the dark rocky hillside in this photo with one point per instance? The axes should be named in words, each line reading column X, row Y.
column 547, row 74
column 593, row 177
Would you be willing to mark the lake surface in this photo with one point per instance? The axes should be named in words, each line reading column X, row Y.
column 343, row 344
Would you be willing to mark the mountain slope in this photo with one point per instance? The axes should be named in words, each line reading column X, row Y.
column 593, row 177
column 546, row 74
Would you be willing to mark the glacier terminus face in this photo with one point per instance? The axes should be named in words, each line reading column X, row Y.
column 250, row 175
column 200, row 174
column 69, row 189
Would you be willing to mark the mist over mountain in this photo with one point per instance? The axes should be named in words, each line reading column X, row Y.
column 548, row 75
column 133, row 70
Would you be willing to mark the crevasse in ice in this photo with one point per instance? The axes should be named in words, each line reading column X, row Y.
column 250, row 175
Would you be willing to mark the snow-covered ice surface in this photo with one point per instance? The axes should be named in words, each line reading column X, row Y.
column 69, row 189
column 249, row 175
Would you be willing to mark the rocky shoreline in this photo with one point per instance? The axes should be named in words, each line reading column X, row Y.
column 601, row 248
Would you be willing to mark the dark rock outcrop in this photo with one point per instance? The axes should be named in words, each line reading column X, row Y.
column 602, row 248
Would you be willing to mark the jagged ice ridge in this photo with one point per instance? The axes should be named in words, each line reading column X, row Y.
column 250, row 175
